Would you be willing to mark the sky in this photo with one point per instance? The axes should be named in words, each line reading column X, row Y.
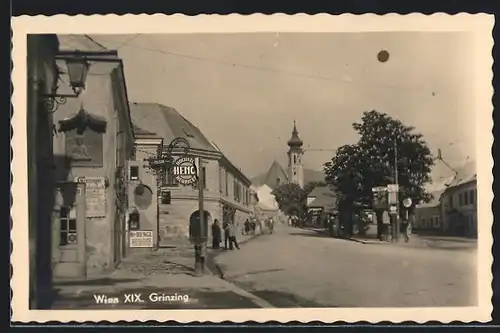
column 245, row 90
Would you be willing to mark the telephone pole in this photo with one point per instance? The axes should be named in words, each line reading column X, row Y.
column 396, row 181
column 200, row 244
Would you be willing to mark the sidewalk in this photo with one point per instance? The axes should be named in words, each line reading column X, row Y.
column 166, row 272
column 416, row 241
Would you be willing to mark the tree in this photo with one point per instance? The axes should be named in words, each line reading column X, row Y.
column 384, row 144
column 291, row 199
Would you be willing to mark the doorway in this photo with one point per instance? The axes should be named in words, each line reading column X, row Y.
column 68, row 231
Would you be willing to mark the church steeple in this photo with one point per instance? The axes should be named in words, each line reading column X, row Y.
column 295, row 169
column 295, row 141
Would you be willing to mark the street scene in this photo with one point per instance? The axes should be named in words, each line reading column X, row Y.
column 263, row 170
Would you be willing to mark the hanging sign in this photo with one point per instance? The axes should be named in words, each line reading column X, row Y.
column 95, row 196
column 185, row 170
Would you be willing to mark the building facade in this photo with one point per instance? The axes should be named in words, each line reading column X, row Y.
column 459, row 208
column 226, row 195
column 144, row 189
column 92, row 142
column 427, row 217
column 42, row 80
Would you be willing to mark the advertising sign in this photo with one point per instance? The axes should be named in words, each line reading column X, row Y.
column 95, row 196
column 380, row 197
column 141, row 238
column 185, row 170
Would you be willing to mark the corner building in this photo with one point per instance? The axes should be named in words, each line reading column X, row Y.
column 227, row 194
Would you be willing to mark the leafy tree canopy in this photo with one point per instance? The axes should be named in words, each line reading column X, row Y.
column 291, row 199
column 355, row 169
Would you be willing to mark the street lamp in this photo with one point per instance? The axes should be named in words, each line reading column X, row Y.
column 77, row 69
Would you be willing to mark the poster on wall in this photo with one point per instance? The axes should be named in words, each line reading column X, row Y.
column 95, row 196
column 141, row 238
column 86, row 149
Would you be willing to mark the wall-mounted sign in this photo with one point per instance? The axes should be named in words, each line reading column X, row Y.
column 95, row 196
column 141, row 238
column 185, row 170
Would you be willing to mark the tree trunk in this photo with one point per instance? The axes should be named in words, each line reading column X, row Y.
column 380, row 223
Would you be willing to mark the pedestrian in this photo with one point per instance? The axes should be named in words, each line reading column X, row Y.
column 271, row 225
column 247, row 227
column 232, row 237
column 216, row 235
column 225, row 226
column 406, row 228
column 253, row 226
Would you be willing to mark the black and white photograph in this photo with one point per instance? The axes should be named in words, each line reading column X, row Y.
column 340, row 174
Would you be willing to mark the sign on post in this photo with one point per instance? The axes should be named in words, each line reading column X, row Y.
column 141, row 238
column 380, row 197
column 407, row 202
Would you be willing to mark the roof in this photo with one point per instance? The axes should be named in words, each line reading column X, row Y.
column 435, row 201
column 295, row 141
column 168, row 124
column 275, row 172
column 139, row 131
column 324, row 197
column 309, row 176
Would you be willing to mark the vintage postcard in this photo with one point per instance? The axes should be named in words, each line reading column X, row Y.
column 286, row 168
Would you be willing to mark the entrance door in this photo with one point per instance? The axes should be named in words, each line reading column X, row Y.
column 68, row 231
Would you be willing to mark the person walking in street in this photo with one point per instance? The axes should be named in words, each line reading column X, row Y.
column 232, row 237
column 216, row 235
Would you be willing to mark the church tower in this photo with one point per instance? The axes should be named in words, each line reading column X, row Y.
column 295, row 153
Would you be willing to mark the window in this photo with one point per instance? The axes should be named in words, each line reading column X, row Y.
column 67, row 217
column 460, row 199
column 466, row 198
column 278, row 181
column 204, row 173
column 134, row 173
column 451, row 201
column 422, row 223
column 471, row 197
column 170, row 179
column 436, row 221
column 294, row 159
column 166, row 198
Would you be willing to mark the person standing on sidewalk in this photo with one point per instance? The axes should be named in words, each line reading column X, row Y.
column 225, row 226
column 232, row 237
column 216, row 235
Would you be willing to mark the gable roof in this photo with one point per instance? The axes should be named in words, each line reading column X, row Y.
column 168, row 124
column 275, row 172
column 324, row 197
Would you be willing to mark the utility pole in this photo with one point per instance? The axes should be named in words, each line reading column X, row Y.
column 396, row 181
column 201, row 242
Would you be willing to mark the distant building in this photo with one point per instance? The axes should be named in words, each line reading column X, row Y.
column 295, row 153
column 227, row 194
column 459, row 203
column 320, row 201
column 428, row 215
column 295, row 172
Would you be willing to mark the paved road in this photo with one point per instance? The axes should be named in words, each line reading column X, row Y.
column 302, row 268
